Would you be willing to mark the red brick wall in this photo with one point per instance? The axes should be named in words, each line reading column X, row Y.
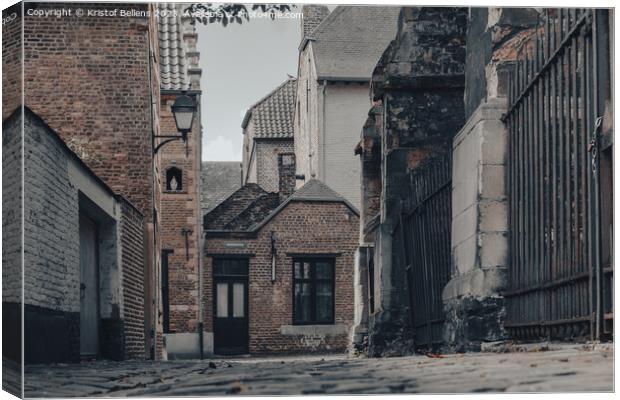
column 87, row 77
column 133, row 263
column 307, row 228
column 181, row 210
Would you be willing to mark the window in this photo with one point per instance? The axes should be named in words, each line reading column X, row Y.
column 174, row 179
column 313, row 291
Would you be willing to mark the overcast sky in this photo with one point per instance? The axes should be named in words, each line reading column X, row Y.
column 241, row 64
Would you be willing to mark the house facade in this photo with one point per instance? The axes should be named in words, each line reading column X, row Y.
column 107, row 111
column 336, row 57
column 267, row 132
column 83, row 247
column 179, row 173
column 266, row 291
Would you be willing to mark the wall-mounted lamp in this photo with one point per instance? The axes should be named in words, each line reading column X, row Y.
column 183, row 109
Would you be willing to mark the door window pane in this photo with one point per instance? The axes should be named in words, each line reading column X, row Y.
column 222, row 300
column 324, row 302
column 238, row 300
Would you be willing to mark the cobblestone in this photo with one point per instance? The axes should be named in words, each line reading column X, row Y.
column 562, row 368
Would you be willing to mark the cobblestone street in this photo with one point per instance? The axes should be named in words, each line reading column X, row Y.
column 562, row 368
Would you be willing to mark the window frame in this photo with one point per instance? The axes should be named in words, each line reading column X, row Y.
column 313, row 283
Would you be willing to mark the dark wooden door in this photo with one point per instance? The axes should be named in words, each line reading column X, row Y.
column 89, row 289
column 230, row 306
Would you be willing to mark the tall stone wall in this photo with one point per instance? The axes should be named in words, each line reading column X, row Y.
column 419, row 80
column 474, row 306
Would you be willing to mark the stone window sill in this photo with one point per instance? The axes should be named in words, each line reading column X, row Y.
column 175, row 192
column 324, row 330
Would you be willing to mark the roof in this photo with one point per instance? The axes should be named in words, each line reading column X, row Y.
column 251, row 207
column 350, row 40
column 273, row 114
column 172, row 51
column 218, row 180
column 242, row 209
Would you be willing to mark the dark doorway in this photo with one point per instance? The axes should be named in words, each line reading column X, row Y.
column 230, row 306
column 89, row 289
column 165, row 291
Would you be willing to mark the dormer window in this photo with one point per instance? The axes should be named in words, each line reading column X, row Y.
column 174, row 179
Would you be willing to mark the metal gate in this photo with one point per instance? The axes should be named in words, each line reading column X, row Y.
column 425, row 228
column 558, row 275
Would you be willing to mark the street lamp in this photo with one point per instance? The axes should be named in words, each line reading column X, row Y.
column 183, row 109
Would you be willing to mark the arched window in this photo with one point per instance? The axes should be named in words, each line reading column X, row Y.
column 174, row 179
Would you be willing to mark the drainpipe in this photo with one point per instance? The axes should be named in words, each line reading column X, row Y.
column 154, row 211
column 198, row 158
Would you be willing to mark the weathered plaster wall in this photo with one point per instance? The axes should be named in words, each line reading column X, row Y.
column 346, row 109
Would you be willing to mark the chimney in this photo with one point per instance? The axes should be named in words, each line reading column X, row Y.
column 313, row 15
column 286, row 174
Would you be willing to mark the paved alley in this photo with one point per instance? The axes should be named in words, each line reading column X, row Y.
column 565, row 368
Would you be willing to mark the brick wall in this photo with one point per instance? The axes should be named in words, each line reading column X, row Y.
column 12, row 265
column 267, row 162
column 180, row 210
column 133, row 263
column 11, row 60
column 87, row 77
column 326, row 228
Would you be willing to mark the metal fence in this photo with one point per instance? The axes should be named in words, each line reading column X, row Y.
column 557, row 277
column 425, row 228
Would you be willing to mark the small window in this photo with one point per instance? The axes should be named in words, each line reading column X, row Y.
column 313, row 291
column 174, row 179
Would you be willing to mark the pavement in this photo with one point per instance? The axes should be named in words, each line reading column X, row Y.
column 565, row 368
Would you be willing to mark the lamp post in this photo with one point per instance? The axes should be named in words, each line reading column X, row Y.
column 183, row 109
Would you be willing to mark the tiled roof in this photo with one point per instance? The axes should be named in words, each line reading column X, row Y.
column 315, row 190
column 172, row 57
column 240, row 210
column 350, row 40
column 251, row 207
column 272, row 116
column 218, row 180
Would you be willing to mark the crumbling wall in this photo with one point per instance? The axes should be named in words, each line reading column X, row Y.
column 420, row 81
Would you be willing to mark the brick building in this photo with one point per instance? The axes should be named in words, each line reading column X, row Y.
column 104, row 86
column 267, row 132
column 266, row 291
column 83, row 265
column 336, row 58
column 180, row 177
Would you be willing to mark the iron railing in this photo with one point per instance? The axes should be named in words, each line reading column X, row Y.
column 425, row 228
column 556, row 272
